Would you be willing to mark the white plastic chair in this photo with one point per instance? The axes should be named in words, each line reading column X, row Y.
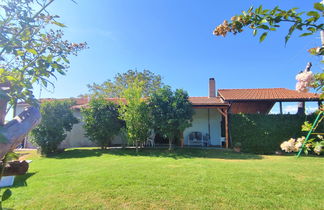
column 150, row 139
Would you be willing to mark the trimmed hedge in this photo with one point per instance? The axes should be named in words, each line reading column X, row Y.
column 263, row 134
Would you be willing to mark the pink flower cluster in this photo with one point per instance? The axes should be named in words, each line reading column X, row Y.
column 304, row 81
column 292, row 145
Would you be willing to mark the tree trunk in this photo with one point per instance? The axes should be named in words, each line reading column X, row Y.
column 170, row 143
column 181, row 139
column 136, row 144
column 13, row 133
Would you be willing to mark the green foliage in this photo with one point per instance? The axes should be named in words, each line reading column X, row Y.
column 135, row 113
column 57, row 119
column 319, row 84
column 32, row 49
column 263, row 134
column 269, row 20
column 101, row 122
column 6, row 195
column 171, row 112
column 115, row 88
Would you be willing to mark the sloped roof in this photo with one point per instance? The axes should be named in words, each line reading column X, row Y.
column 196, row 101
column 207, row 101
column 271, row 94
column 78, row 101
column 114, row 100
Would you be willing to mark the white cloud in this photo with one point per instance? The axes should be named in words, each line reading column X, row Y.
column 292, row 109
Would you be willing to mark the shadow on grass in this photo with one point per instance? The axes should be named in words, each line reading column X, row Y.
column 146, row 152
column 21, row 181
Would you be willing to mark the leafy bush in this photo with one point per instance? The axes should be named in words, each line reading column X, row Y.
column 263, row 134
column 57, row 119
column 135, row 113
column 171, row 112
column 101, row 122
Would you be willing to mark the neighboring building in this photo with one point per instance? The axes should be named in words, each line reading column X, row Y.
column 210, row 121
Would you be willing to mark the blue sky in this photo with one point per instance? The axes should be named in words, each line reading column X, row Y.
column 174, row 38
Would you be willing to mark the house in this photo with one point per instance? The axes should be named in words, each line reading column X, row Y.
column 210, row 126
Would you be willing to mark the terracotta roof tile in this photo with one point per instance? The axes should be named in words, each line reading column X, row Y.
column 277, row 94
column 196, row 101
column 206, row 101
column 114, row 100
column 78, row 101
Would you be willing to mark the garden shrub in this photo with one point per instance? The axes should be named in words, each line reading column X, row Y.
column 101, row 121
column 263, row 134
column 57, row 120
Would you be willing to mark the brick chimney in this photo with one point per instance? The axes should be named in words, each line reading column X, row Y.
column 212, row 88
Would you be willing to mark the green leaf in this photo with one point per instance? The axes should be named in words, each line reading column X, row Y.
column 58, row 24
column 306, row 34
column 20, row 52
column 319, row 6
column 263, row 36
column 6, row 195
column 265, row 27
column 255, row 32
column 32, row 51
column 263, row 21
column 250, row 9
column 65, row 59
column 259, row 9
column 11, row 156
column 313, row 14
column 311, row 29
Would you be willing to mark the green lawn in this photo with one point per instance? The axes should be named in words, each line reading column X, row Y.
column 183, row 179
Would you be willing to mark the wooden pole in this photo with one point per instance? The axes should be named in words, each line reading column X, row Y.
column 301, row 108
column 319, row 104
column 226, row 129
column 225, row 114
column 280, row 106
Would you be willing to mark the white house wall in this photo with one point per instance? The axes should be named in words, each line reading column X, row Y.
column 200, row 124
column 74, row 138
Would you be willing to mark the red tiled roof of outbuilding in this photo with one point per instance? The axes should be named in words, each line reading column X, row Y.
column 263, row 94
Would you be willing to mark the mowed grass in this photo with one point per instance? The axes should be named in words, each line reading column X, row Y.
column 157, row 179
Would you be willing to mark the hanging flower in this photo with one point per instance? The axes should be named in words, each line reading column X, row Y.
column 304, row 81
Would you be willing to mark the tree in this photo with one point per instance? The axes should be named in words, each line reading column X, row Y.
column 135, row 113
column 57, row 119
column 171, row 112
column 32, row 51
column 101, row 122
column 270, row 19
column 115, row 88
